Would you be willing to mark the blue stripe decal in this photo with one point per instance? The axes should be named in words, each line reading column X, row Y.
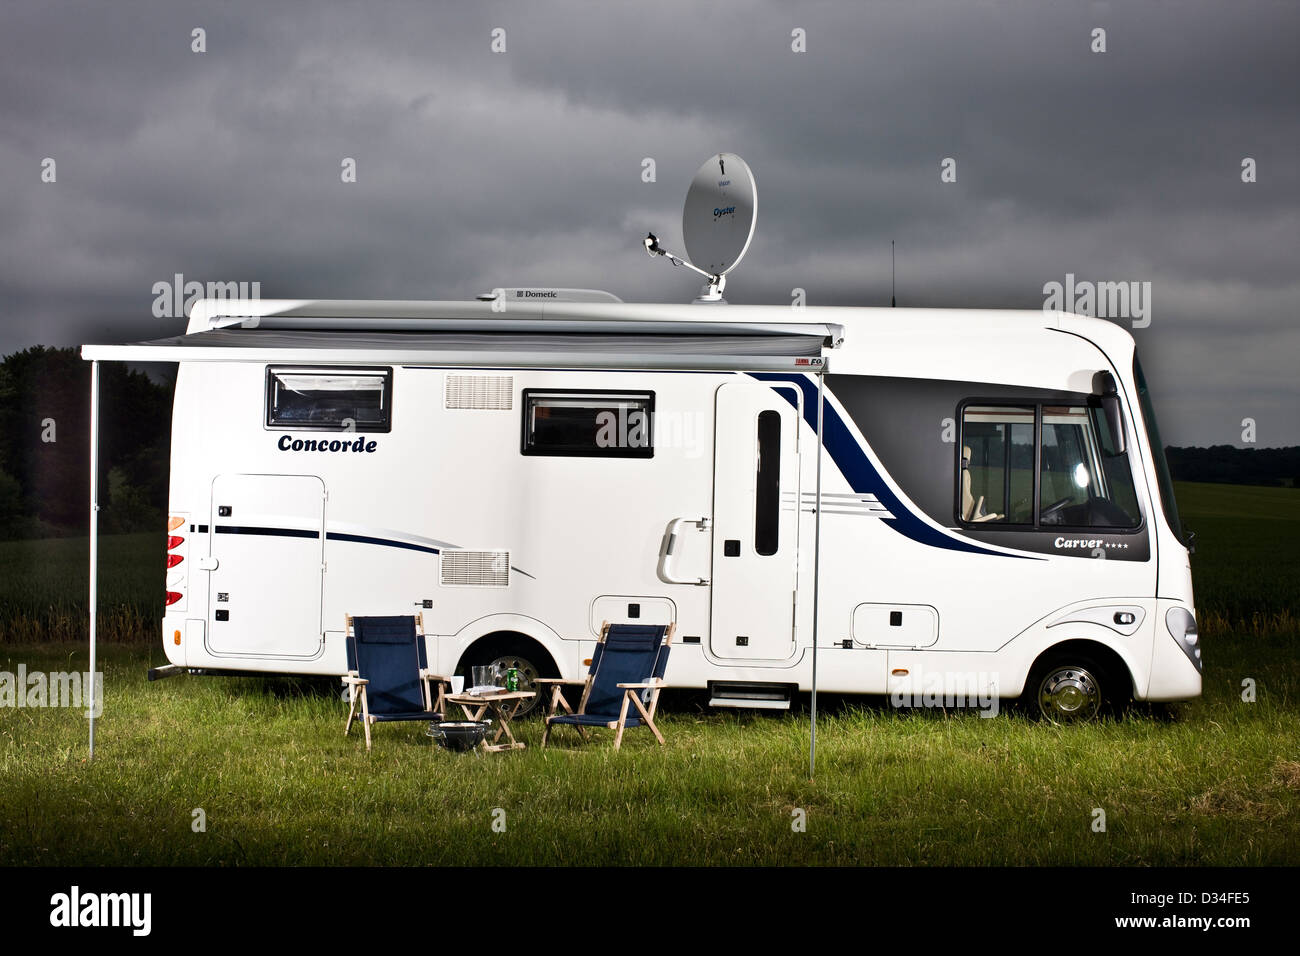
column 272, row 532
column 331, row 535
column 863, row 477
column 386, row 542
column 339, row 536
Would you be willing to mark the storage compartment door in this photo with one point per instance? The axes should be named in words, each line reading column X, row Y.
column 267, row 534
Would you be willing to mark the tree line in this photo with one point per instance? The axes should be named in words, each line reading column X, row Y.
column 1238, row 466
column 45, row 450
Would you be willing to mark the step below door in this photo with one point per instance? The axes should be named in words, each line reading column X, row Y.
column 755, row 522
column 267, row 534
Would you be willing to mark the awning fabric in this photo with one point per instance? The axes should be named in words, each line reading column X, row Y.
column 513, row 344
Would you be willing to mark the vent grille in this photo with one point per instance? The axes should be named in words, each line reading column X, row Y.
column 476, row 569
column 481, row 391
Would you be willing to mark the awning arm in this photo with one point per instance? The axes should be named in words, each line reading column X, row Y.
column 817, row 566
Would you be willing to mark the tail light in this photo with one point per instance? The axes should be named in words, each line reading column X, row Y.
column 178, row 548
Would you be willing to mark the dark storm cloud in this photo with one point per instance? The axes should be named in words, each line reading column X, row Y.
column 478, row 170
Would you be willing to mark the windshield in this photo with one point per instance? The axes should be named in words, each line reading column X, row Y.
column 1165, row 480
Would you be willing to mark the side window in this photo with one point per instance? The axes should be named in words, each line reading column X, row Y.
column 329, row 399
column 1043, row 466
column 1083, row 483
column 1067, row 464
column 767, row 484
column 592, row 424
column 997, row 465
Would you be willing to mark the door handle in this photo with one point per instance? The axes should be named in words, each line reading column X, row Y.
column 670, row 548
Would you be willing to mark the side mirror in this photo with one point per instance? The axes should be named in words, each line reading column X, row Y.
column 1114, row 421
column 1103, row 384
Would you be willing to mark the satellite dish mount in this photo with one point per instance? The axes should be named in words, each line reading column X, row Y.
column 718, row 222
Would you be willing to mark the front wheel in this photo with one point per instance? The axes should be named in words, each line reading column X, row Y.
column 1072, row 688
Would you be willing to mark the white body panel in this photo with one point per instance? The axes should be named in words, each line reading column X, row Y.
column 585, row 538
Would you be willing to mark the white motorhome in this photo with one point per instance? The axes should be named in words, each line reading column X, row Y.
column 974, row 497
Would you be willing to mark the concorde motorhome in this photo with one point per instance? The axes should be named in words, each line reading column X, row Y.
column 995, row 505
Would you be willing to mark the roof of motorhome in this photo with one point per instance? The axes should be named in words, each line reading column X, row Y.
column 587, row 334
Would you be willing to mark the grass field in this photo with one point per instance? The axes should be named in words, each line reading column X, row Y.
column 1246, row 569
column 43, row 589
column 1213, row 781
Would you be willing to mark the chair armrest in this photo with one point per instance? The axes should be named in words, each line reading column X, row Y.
column 426, row 674
column 354, row 679
column 559, row 680
column 653, row 682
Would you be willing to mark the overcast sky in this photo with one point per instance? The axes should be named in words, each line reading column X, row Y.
column 478, row 169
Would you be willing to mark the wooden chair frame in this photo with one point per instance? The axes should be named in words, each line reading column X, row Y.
column 630, row 696
column 357, row 684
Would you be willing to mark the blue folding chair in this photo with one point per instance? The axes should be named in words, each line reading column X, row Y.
column 388, row 672
column 628, row 663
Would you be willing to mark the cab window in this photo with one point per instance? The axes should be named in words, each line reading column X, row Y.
column 1043, row 466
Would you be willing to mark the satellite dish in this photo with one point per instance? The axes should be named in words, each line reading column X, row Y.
column 720, row 213
column 717, row 222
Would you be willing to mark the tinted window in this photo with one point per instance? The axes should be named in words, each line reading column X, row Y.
column 1043, row 465
column 767, row 489
column 329, row 399
column 997, row 479
column 1081, row 485
column 1158, row 453
column 589, row 424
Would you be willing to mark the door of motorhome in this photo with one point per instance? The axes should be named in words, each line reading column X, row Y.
column 755, row 522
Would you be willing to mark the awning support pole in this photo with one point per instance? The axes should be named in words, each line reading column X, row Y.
column 817, row 565
column 94, row 542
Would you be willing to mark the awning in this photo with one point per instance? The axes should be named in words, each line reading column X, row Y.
column 444, row 334
column 472, row 335
column 498, row 350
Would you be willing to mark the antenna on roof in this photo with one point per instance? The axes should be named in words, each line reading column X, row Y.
column 892, row 301
column 718, row 221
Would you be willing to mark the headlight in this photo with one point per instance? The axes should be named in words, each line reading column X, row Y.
column 1182, row 627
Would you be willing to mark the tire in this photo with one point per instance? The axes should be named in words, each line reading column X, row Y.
column 1071, row 687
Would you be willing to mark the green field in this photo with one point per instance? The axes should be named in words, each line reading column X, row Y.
column 1246, row 569
column 44, row 589
column 1213, row 781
